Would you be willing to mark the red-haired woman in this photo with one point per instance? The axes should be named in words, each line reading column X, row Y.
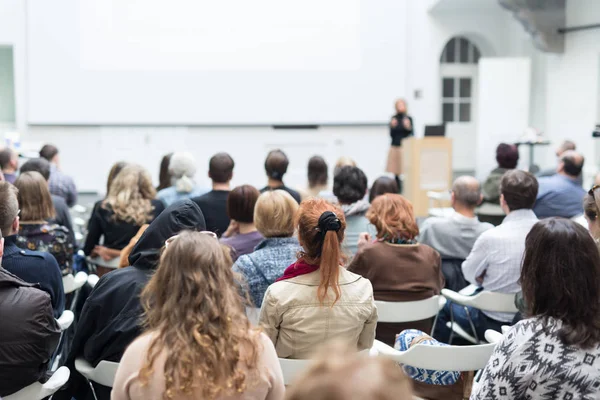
column 316, row 299
column 399, row 268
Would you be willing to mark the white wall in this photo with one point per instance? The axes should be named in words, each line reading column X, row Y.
column 12, row 33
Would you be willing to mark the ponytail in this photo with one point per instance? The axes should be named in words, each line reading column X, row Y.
column 330, row 267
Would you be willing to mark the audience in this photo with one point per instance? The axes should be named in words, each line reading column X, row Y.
column 507, row 156
column 399, row 268
column 560, row 150
column 29, row 333
column 9, row 162
column 555, row 353
column 274, row 218
column 182, row 169
column 316, row 299
column 110, row 319
column 341, row 374
column 214, row 203
column 495, row 261
column 383, row 185
column 350, row 188
column 129, row 205
column 30, row 266
column 591, row 210
column 343, row 162
column 191, row 349
column 60, row 184
column 61, row 209
column 164, row 177
column 242, row 236
column 560, row 195
column 276, row 166
column 112, row 174
column 317, row 178
column 35, row 233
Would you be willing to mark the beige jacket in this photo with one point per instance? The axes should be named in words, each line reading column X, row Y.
column 297, row 324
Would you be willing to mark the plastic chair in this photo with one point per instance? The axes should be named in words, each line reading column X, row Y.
column 65, row 320
column 72, row 283
column 408, row 311
column 104, row 373
column 93, row 280
column 39, row 391
column 292, row 369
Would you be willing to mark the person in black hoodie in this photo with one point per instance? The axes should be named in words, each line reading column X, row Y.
column 401, row 127
column 110, row 318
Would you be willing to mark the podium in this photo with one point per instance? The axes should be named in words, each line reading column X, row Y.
column 427, row 166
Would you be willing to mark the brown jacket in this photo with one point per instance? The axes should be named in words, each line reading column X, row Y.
column 29, row 333
column 399, row 272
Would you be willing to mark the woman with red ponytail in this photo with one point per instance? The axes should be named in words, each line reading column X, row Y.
column 317, row 299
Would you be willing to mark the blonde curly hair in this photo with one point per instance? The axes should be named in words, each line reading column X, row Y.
column 130, row 195
column 193, row 308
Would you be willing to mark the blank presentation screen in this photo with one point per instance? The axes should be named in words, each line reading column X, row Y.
column 200, row 62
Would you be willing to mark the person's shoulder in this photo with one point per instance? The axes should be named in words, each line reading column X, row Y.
column 36, row 256
column 59, row 202
column 432, row 222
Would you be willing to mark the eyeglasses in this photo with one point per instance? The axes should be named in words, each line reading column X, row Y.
column 172, row 238
column 592, row 190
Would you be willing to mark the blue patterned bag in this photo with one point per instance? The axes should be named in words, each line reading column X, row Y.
column 405, row 340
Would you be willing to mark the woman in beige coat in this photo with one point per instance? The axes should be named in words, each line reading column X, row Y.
column 317, row 299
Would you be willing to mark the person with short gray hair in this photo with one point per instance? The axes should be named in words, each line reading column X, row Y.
column 182, row 168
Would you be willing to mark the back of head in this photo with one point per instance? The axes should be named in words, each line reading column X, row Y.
column 220, row 168
column 507, row 155
column 382, row 185
column 130, row 195
column 321, row 228
column 274, row 214
column 9, row 207
column 572, row 163
column 6, row 158
column 343, row 162
column 560, row 278
column 591, row 204
column 241, row 202
column 49, row 151
column 114, row 171
column 180, row 216
column 350, row 185
column 393, row 217
column 317, row 171
column 276, row 165
column 565, row 146
column 40, row 165
column 164, row 176
column 342, row 374
column 467, row 191
column 182, row 168
column 519, row 189
column 34, row 197
column 190, row 304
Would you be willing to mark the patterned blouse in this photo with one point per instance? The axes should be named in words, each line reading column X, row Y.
column 532, row 363
column 53, row 239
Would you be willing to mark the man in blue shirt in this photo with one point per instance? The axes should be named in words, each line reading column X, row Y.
column 561, row 195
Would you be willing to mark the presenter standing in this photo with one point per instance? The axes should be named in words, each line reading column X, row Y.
column 401, row 127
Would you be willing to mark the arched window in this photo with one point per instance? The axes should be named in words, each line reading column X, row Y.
column 460, row 50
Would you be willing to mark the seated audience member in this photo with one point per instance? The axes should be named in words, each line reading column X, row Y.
column 112, row 174
column 35, row 233
column 129, row 205
column 591, row 210
column 30, row 266
column 317, row 299
column 61, row 209
column 343, row 162
column 164, row 177
column 495, row 261
column 350, row 188
column 274, row 218
column 29, row 333
column 560, row 195
column 182, row 169
column 507, row 157
column 9, row 162
column 342, row 374
column 567, row 145
column 242, row 236
column 383, row 185
column 60, row 184
column 191, row 350
column 276, row 166
column 399, row 268
column 555, row 353
column 317, row 178
column 214, row 203
column 111, row 317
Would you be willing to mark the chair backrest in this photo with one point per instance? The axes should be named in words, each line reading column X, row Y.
column 292, row 369
column 93, row 279
column 104, row 373
column 65, row 320
column 408, row 311
column 253, row 315
column 486, row 301
column 38, row 391
column 72, row 283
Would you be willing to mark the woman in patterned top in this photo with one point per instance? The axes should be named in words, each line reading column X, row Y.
column 35, row 233
column 555, row 354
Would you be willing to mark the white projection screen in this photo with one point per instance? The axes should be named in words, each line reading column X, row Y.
column 225, row 62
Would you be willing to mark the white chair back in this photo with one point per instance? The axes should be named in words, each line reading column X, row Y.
column 93, row 279
column 72, row 283
column 65, row 320
column 408, row 311
column 253, row 315
column 486, row 301
column 38, row 391
column 292, row 369
column 104, row 373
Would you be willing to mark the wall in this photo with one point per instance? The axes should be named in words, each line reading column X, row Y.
column 12, row 33
column 7, row 87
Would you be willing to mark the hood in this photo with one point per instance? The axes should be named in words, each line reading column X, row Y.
column 180, row 216
column 358, row 208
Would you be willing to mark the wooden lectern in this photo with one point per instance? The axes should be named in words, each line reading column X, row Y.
column 427, row 166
